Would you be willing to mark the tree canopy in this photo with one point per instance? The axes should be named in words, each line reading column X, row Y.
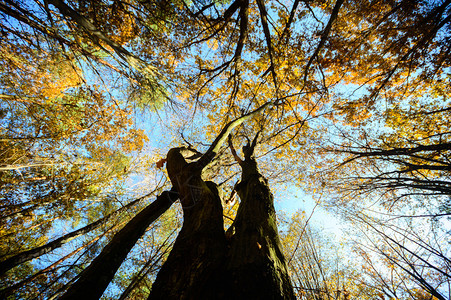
column 347, row 101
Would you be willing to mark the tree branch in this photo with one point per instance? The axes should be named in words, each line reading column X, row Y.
column 220, row 139
column 95, row 278
column 263, row 18
column 134, row 61
column 324, row 36
column 232, row 149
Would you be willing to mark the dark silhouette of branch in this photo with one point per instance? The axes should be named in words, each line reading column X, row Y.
column 95, row 278
column 264, row 19
column 36, row 252
column 324, row 36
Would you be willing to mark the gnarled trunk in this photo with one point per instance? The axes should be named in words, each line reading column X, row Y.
column 190, row 272
column 202, row 263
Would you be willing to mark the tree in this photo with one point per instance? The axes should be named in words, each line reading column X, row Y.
column 321, row 266
column 63, row 142
column 411, row 255
column 404, row 93
column 310, row 79
column 200, row 250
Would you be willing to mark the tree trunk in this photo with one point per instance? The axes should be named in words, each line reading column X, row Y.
column 256, row 262
column 203, row 264
column 95, row 278
column 191, row 270
column 27, row 255
column 12, row 288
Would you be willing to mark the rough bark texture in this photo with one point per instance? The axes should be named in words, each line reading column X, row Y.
column 256, row 262
column 95, row 278
column 199, row 250
column 202, row 263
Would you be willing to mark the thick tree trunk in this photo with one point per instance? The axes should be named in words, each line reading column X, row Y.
column 256, row 262
column 191, row 270
column 95, row 278
column 202, row 263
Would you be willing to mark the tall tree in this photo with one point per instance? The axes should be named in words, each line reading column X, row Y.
column 313, row 78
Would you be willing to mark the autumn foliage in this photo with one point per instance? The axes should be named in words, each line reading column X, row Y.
column 344, row 102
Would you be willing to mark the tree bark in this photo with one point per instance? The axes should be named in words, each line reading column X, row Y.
column 203, row 264
column 255, row 260
column 95, row 278
column 191, row 270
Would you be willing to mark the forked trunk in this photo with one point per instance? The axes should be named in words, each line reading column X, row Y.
column 202, row 263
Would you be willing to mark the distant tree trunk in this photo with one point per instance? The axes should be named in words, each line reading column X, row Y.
column 24, row 256
column 203, row 264
column 12, row 288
